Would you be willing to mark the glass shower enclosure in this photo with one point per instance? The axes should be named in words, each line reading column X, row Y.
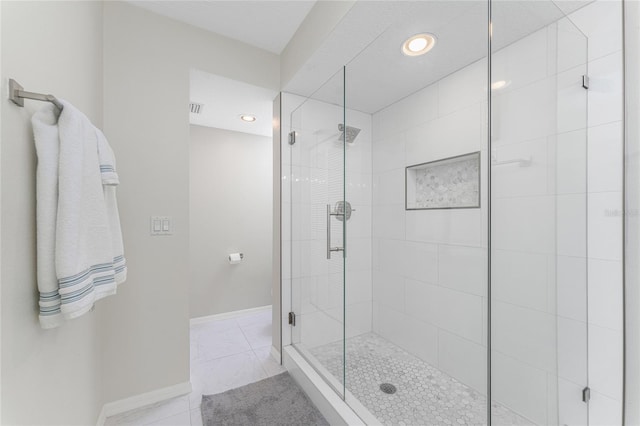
column 438, row 218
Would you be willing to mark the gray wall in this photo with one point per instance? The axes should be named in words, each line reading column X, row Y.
column 230, row 210
column 146, row 87
column 48, row 376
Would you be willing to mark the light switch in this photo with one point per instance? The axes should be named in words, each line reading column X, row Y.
column 161, row 225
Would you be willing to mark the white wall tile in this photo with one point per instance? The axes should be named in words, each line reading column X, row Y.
column 459, row 313
column 572, row 351
column 357, row 187
column 358, row 318
column 358, row 286
column 552, row 285
column 571, row 409
column 421, row 301
column 319, row 328
column 421, row 340
column 421, row 261
column 391, row 256
column 570, row 46
column 572, row 287
column 465, row 87
column 524, row 224
column 604, row 411
column 359, row 154
column 415, row 109
column 464, row 360
column 605, row 157
column 571, row 100
column 314, row 261
column 318, row 116
column 605, row 89
column 605, row 293
column 419, row 108
column 462, row 227
column 335, row 289
column 605, row 361
column 388, row 290
column 409, row 334
column 426, row 142
column 305, row 295
column 524, row 334
column 524, row 114
column 389, row 221
column 570, row 151
column 520, row 387
column 601, row 22
column 463, row 269
column 521, row 63
column 390, row 187
column 514, row 180
column 552, row 400
column 359, row 226
column 520, row 278
column 605, row 225
column 358, row 254
column 571, row 225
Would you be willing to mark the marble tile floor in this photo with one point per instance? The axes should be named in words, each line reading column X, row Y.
column 225, row 354
column 424, row 396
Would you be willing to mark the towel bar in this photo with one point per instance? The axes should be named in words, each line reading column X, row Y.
column 17, row 95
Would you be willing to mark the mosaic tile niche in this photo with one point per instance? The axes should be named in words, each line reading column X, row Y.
column 444, row 184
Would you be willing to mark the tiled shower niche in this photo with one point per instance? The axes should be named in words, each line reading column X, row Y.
column 449, row 183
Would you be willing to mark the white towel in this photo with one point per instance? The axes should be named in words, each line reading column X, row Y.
column 45, row 131
column 110, row 180
column 88, row 254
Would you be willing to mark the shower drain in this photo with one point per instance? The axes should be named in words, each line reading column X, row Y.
column 388, row 388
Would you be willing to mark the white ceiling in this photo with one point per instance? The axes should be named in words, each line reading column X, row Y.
column 265, row 24
column 225, row 100
column 370, row 36
column 367, row 40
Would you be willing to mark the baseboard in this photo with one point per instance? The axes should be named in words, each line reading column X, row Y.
column 228, row 315
column 102, row 417
column 138, row 401
column 275, row 354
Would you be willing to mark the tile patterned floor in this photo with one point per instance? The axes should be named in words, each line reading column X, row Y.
column 225, row 354
column 425, row 395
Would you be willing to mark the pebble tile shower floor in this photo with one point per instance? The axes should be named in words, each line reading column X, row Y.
column 424, row 396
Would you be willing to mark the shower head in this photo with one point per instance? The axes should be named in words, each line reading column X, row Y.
column 351, row 132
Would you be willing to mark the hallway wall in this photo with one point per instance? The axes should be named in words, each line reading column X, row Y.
column 146, row 86
column 230, row 210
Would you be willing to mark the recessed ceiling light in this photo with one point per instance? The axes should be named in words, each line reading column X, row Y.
column 497, row 85
column 248, row 118
column 418, row 44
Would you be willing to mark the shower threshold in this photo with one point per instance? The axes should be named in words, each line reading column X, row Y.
column 423, row 394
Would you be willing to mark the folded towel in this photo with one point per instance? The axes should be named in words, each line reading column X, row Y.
column 109, row 181
column 45, row 131
column 77, row 210
column 107, row 161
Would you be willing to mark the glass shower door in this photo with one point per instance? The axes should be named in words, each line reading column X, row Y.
column 318, row 213
column 538, row 311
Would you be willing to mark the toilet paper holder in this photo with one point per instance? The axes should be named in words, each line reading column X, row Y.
column 235, row 258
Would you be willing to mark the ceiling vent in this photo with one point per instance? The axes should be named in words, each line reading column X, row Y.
column 195, row 108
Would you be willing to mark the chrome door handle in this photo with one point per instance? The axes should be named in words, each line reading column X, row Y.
column 329, row 248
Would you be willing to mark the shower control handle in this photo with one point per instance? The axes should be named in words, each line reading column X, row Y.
column 329, row 248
